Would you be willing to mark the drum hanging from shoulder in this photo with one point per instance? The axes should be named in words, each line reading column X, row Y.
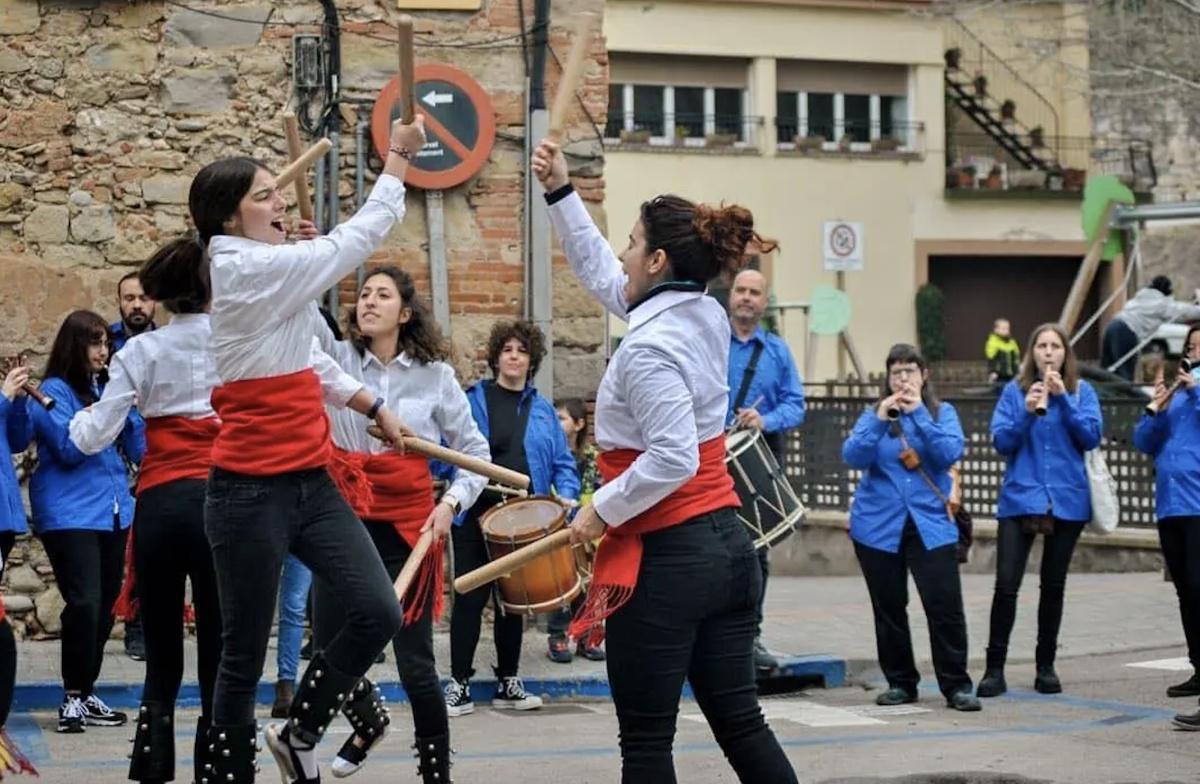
column 547, row 583
column 770, row 508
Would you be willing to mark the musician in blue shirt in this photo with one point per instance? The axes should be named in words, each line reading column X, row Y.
column 764, row 394
column 899, row 521
column 1045, row 420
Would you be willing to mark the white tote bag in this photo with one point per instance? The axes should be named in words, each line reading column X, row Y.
column 1106, row 507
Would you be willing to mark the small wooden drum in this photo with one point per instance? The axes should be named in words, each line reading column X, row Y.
column 547, row 583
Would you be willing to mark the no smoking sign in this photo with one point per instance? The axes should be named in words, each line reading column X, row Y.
column 460, row 126
column 842, row 248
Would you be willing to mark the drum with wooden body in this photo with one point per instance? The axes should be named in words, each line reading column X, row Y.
column 547, row 583
column 770, row 508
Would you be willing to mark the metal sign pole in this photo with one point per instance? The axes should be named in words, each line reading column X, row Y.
column 439, row 279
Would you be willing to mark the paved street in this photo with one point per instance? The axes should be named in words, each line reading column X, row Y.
column 1111, row 726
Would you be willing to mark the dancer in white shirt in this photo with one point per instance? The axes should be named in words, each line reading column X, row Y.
column 676, row 575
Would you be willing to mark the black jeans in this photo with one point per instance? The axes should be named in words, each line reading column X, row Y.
column 251, row 523
column 169, row 547
column 692, row 616
column 413, row 644
column 558, row 621
column 1117, row 341
column 88, row 567
column 1180, row 540
column 1012, row 554
column 471, row 553
column 764, row 565
column 936, row 574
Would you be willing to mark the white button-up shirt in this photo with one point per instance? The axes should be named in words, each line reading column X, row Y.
column 264, row 312
column 426, row 397
column 665, row 391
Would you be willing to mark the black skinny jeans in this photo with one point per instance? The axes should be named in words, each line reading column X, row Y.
column 465, row 622
column 692, row 616
column 169, row 548
column 412, row 645
column 1012, row 555
column 935, row 573
column 1180, row 540
column 251, row 523
column 88, row 567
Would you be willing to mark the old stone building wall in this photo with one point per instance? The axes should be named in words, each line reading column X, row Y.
column 109, row 107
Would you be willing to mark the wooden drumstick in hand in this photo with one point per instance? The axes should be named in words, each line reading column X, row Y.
column 291, row 131
column 297, row 167
column 404, row 40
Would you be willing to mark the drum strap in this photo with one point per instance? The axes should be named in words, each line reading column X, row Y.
column 748, row 377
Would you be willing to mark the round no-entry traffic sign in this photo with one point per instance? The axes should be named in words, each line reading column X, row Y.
column 460, row 126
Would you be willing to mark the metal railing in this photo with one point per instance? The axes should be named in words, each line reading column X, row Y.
column 1130, row 160
column 829, row 135
column 813, row 456
column 682, row 129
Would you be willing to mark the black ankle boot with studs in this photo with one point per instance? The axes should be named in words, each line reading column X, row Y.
column 232, row 750
column 433, row 755
column 153, row 756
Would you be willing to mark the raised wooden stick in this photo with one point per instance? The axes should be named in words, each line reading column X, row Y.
column 408, row 98
column 572, row 73
column 291, row 131
column 297, row 167
column 507, row 564
column 466, row 462
column 412, row 565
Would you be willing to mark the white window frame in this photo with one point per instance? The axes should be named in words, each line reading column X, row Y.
column 839, row 120
column 710, row 125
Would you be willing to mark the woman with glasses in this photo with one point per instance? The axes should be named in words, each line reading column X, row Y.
column 1172, row 437
column 1045, row 420
column 82, row 509
column 900, row 522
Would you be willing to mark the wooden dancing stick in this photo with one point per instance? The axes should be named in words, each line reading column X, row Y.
column 507, row 564
column 572, row 73
column 408, row 98
column 291, row 131
column 412, row 565
column 297, row 167
column 464, row 461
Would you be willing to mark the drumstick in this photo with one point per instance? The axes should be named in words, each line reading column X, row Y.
column 464, row 461
column 738, row 425
column 507, row 564
column 412, row 564
column 297, row 167
column 571, row 74
column 408, row 103
column 291, row 130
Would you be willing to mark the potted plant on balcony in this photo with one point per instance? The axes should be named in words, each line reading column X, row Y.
column 810, row 143
column 885, row 144
column 1073, row 179
column 681, row 134
column 845, row 142
column 1008, row 110
column 1054, row 179
column 720, row 139
column 980, row 84
column 966, row 176
column 1037, row 137
column 635, row 135
column 953, row 58
column 995, row 178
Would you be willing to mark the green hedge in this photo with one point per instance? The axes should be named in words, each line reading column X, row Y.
column 931, row 322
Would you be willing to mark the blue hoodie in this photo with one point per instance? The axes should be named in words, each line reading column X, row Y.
column 1172, row 438
column 551, row 463
column 71, row 491
column 15, row 435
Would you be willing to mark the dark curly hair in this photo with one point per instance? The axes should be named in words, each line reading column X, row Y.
column 525, row 331
column 420, row 336
column 702, row 242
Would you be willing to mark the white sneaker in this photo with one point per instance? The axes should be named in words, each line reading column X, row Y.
column 511, row 695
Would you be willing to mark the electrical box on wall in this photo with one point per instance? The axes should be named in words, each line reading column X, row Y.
column 307, row 61
column 440, row 5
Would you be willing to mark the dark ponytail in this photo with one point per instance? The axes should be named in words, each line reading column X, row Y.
column 177, row 276
column 700, row 241
column 420, row 336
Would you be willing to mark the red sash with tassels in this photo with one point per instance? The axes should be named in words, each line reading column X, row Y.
column 398, row 489
column 619, row 557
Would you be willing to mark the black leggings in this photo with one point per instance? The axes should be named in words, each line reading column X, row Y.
column 169, row 547
column 471, row 553
column 413, row 644
column 1180, row 539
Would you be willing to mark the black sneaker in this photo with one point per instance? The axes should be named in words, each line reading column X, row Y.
column 559, row 649
column 763, row 660
column 1184, row 721
column 1189, row 688
column 896, row 696
column 306, row 650
column 458, row 697
column 71, row 714
column 97, row 714
column 135, row 641
column 511, row 695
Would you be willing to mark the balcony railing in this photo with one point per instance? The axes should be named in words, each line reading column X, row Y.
column 975, row 160
column 849, row 135
column 683, row 129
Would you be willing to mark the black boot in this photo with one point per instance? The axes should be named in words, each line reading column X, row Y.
column 153, row 757
column 433, row 754
column 1046, row 681
column 322, row 692
column 1189, row 688
column 201, row 759
column 992, row 684
column 231, row 751
column 369, row 718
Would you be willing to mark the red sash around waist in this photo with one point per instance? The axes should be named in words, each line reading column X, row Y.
column 619, row 557
column 271, row 425
column 177, row 448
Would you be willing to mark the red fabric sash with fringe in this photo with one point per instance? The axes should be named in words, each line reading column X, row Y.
column 619, row 557
column 395, row 488
column 272, row 425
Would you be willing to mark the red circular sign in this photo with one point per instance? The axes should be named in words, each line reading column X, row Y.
column 460, row 126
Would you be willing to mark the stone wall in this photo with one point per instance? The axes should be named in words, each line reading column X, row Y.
column 109, row 107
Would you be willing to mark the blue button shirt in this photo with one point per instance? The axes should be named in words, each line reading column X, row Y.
column 889, row 493
column 1045, row 473
column 15, row 434
column 1172, row 438
column 775, row 380
column 120, row 336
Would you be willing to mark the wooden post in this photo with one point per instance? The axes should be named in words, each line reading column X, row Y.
column 1087, row 273
column 408, row 100
column 840, row 279
column 572, row 73
column 291, row 130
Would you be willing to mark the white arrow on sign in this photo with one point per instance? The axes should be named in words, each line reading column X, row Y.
column 434, row 98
